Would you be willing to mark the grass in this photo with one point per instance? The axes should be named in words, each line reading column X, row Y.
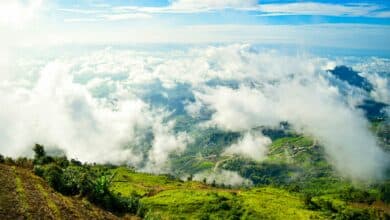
column 26, row 196
column 258, row 203
column 53, row 207
column 165, row 198
column 21, row 195
column 189, row 204
column 126, row 182
column 271, row 203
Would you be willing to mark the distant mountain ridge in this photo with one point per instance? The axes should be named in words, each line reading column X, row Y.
column 372, row 108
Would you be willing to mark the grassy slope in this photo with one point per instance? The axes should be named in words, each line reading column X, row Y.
column 164, row 198
column 24, row 195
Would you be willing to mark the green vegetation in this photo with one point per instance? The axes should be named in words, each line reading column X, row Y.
column 295, row 181
column 21, row 196
column 53, row 207
column 26, row 196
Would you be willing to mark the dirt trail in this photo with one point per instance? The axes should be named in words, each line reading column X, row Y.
column 221, row 161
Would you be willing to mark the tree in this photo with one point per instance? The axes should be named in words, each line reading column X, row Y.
column 39, row 151
column 40, row 157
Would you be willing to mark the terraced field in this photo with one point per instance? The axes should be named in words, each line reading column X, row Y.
column 25, row 196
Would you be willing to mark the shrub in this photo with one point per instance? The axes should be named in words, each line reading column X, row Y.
column 75, row 162
column 63, row 162
column 1, row 158
column 127, row 204
column 76, row 180
column 53, row 175
column 355, row 214
column 357, row 195
column 385, row 192
column 39, row 170
column 9, row 161
column 101, row 196
column 24, row 162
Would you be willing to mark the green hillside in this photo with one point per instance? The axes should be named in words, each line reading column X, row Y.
column 294, row 181
column 23, row 195
column 164, row 197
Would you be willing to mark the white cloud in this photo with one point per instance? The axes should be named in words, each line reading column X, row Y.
column 312, row 8
column 270, row 9
column 312, row 108
column 376, row 71
column 58, row 106
column 117, row 17
column 226, row 177
column 229, row 104
column 252, row 146
column 60, row 113
column 16, row 13
column 164, row 143
column 295, row 89
column 187, row 5
column 305, row 36
column 382, row 14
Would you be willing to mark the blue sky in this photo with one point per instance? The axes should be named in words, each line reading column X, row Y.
column 227, row 11
column 349, row 24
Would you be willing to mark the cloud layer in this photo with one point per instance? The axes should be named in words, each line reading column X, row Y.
column 93, row 107
column 252, row 146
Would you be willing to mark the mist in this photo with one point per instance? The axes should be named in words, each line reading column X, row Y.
column 91, row 107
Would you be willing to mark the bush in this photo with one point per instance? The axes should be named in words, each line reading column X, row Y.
column 1, row 158
column 63, row 162
column 75, row 162
column 77, row 180
column 24, row 162
column 53, row 175
column 39, row 170
column 127, row 204
column 9, row 161
column 355, row 214
column 385, row 192
column 352, row 194
column 101, row 196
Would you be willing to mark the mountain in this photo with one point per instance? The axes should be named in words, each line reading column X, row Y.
column 295, row 182
column 352, row 77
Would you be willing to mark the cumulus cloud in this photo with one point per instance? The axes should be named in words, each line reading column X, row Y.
column 96, row 101
column 230, row 104
column 59, row 113
column 311, row 107
column 226, row 177
column 376, row 70
column 301, row 95
column 252, row 146
column 165, row 143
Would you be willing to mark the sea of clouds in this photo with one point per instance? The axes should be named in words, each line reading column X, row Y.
column 98, row 106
